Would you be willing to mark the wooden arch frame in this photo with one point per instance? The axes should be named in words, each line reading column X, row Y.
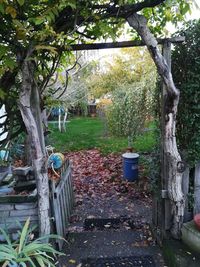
column 161, row 215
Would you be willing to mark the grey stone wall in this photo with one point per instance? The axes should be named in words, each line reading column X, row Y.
column 14, row 213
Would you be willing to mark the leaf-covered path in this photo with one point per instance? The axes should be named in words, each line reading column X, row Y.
column 101, row 191
column 117, row 211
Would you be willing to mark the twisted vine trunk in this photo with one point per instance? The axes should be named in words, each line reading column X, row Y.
column 174, row 163
column 38, row 157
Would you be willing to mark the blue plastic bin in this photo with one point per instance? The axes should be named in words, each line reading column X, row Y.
column 130, row 166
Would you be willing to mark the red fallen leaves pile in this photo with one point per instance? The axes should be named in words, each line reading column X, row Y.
column 97, row 175
column 94, row 174
column 18, row 163
column 55, row 176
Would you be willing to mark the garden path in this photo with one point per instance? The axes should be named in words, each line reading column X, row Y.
column 112, row 217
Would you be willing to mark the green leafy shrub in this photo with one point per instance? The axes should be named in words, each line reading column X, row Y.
column 27, row 252
column 126, row 114
column 186, row 70
column 130, row 81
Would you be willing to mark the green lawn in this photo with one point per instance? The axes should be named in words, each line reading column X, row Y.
column 86, row 133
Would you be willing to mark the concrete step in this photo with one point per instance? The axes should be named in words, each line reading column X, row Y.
column 102, row 224
column 114, row 223
column 86, row 247
column 137, row 261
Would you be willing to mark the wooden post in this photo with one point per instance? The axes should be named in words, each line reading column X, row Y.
column 167, row 216
column 185, row 188
column 197, row 188
column 174, row 163
column 133, row 43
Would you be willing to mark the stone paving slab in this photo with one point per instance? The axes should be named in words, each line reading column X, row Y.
column 106, row 244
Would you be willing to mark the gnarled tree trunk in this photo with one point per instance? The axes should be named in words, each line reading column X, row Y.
column 39, row 159
column 37, row 113
column 175, row 166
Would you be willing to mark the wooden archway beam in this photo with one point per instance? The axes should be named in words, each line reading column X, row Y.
column 135, row 43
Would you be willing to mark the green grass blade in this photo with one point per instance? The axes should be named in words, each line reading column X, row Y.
column 7, row 238
column 32, row 228
column 6, row 256
column 46, row 256
column 8, row 249
column 39, row 247
column 23, row 235
column 40, row 261
column 31, row 262
column 19, row 224
column 32, row 247
column 47, row 261
column 51, row 236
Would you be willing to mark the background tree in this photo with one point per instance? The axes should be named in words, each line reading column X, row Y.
column 125, row 116
column 129, row 79
column 129, row 66
column 68, row 90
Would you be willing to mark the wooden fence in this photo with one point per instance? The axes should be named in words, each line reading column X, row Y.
column 191, row 190
column 62, row 201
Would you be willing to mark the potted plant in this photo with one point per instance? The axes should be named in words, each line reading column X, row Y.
column 27, row 252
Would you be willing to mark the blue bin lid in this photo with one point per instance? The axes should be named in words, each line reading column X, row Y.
column 129, row 155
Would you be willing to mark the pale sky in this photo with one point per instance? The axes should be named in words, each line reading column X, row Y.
column 195, row 14
column 106, row 55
